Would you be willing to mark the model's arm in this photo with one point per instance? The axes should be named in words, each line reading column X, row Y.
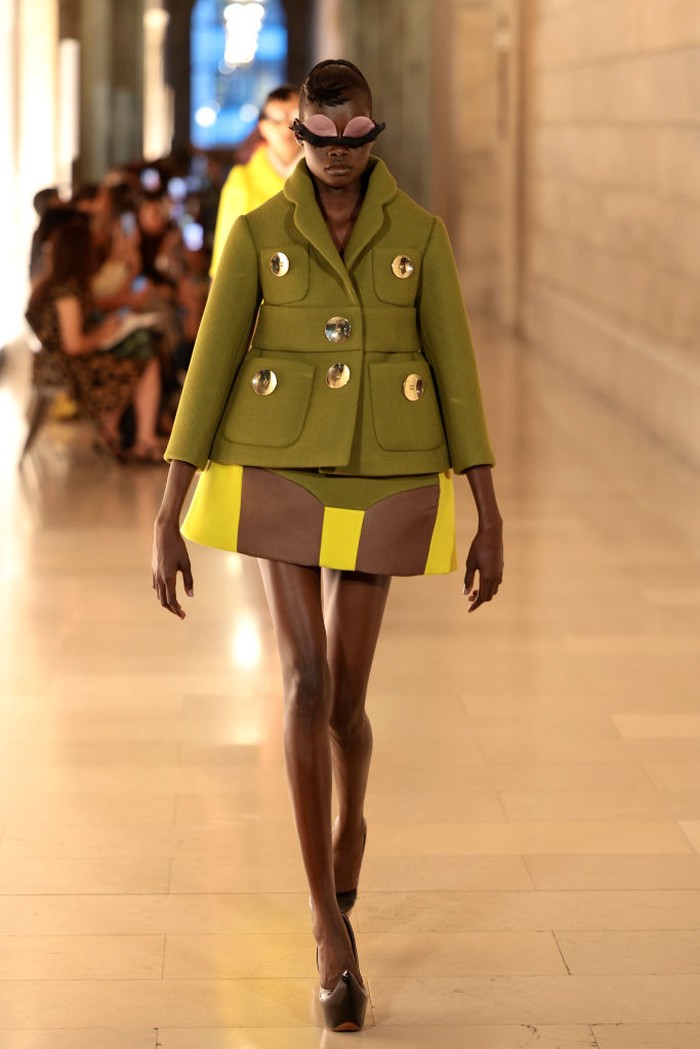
column 169, row 551
column 74, row 340
column 486, row 552
column 222, row 341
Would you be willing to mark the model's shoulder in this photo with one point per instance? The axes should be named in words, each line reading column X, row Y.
column 271, row 212
column 406, row 215
column 413, row 209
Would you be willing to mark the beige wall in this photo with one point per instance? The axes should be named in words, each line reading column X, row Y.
column 611, row 262
column 484, row 92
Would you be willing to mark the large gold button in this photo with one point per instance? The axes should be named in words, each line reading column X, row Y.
column 279, row 264
column 402, row 267
column 337, row 376
column 338, row 329
column 264, row 382
column 413, row 387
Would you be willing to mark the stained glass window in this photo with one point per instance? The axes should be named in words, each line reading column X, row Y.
column 239, row 54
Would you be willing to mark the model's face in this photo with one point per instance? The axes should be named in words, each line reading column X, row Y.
column 274, row 128
column 338, row 166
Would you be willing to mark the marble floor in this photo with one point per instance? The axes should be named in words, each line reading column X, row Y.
column 532, row 876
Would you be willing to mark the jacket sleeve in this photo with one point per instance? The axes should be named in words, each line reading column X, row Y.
column 222, row 341
column 448, row 347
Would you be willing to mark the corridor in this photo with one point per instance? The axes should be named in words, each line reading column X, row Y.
column 532, row 874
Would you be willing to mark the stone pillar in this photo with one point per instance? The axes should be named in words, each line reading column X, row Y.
column 177, row 68
column 127, row 81
column 392, row 42
column 95, row 89
column 111, row 92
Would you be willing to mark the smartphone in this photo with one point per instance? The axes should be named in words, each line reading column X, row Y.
column 128, row 223
column 150, row 179
column 193, row 236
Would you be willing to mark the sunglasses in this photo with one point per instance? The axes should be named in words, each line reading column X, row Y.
column 319, row 130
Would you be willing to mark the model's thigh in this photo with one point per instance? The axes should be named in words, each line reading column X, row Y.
column 293, row 595
column 355, row 603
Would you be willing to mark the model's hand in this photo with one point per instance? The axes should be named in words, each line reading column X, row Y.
column 486, row 558
column 170, row 557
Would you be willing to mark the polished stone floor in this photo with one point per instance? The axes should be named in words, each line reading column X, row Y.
column 532, row 876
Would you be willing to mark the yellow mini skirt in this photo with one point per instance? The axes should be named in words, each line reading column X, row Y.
column 383, row 525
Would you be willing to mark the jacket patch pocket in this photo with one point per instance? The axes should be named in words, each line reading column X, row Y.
column 396, row 274
column 405, row 408
column 284, row 273
column 269, row 402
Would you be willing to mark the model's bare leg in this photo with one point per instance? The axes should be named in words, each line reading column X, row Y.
column 294, row 597
column 355, row 604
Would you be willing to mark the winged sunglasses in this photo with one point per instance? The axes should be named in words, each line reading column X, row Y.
column 319, row 130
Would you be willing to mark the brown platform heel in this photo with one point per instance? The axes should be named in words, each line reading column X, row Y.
column 344, row 1006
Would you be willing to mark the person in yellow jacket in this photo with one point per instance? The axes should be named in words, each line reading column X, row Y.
column 332, row 392
column 249, row 185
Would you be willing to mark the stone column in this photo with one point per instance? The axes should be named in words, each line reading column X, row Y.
column 111, row 90
column 95, row 89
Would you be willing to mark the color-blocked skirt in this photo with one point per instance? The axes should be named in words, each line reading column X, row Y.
column 383, row 525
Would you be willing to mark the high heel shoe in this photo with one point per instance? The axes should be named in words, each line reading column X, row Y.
column 347, row 900
column 344, row 1006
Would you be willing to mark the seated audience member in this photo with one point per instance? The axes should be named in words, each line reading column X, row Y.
column 119, row 280
column 192, row 293
column 44, row 200
column 50, row 221
column 105, row 380
column 161, row 240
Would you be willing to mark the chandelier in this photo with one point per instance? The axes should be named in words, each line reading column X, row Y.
column 242, row 21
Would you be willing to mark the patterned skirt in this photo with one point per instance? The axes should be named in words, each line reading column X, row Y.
column 383, row 525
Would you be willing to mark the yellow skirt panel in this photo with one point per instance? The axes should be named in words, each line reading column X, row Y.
column 397, row 526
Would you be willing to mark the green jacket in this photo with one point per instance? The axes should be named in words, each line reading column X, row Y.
column 396, row 390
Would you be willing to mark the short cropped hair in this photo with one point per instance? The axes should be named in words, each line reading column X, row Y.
column 329, row 83
column 280, row 94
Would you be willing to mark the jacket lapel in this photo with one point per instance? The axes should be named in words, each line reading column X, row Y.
column 381, row 189
column 309, row 220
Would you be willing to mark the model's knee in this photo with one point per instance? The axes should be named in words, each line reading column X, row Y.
column 306, row 692
column 348, row 721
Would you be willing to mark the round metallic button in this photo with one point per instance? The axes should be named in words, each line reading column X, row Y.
column 402, row 267
column 413, row 387
column 264, row 382
column 279, row 264
column 337, row 376
column 338, row 329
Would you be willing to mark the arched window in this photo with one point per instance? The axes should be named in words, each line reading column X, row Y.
column 239, row 54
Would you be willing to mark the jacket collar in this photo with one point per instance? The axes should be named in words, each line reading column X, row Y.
column 299, row 190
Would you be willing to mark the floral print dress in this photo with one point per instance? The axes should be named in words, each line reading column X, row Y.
column 102, row 381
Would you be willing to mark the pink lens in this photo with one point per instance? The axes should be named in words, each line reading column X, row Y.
column 358, row 127
column 320, row 125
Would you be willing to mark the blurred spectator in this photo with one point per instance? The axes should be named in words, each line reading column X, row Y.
column 117, row 246
column 192, row 290
column 161, row 240
column 52, row 218
column 111, row 363
column 43, row 201
column 250, row 184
